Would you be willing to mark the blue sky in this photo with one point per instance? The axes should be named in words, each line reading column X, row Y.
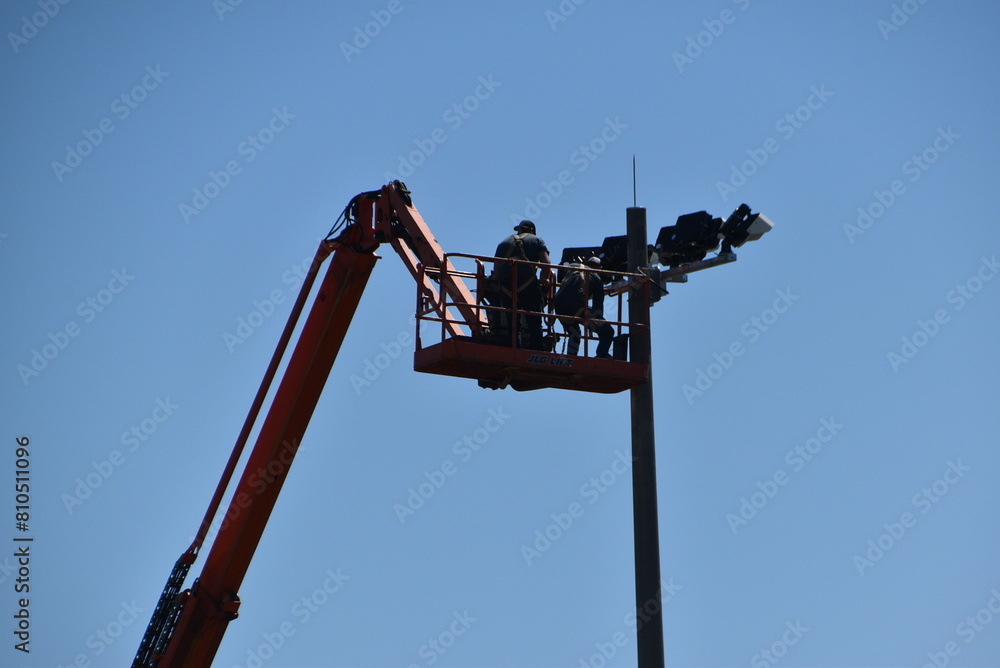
column 827, row 492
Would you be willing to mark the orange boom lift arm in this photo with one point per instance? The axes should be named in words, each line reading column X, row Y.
column 188, row 626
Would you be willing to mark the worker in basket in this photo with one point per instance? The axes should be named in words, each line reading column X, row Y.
column 571, row 300
column 522, row 281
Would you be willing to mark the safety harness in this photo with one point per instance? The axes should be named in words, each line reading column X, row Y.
column 518, row 248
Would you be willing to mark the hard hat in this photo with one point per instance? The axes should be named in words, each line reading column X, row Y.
column 594, row 262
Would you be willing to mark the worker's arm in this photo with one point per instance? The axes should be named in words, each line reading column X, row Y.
column 597, row 295
column 546, row 272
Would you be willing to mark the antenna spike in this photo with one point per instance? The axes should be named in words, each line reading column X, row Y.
column 633, row 180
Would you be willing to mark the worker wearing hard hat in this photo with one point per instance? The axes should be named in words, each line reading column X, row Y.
column 577, row 287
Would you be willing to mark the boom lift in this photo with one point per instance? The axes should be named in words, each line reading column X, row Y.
column 187, row 625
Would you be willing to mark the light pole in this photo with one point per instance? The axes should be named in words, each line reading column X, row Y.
column 645, row 523
column 684, row 246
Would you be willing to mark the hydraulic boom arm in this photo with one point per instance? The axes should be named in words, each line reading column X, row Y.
column 188, row 626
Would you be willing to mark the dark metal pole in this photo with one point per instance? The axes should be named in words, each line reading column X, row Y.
column 648, row 601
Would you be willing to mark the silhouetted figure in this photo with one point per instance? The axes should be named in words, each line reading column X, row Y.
column 523, row 282
column 571, row 300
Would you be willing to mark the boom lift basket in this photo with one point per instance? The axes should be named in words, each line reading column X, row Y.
column 497, row 363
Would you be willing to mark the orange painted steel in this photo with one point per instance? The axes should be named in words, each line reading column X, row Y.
column 213, row 600
column 521, row 369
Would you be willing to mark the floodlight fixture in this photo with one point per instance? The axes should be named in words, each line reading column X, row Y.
column 743, row 226
column 688, row 240
column 579, row 254
column 613, row 253
column 681, row 248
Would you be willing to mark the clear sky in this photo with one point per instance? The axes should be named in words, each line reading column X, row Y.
column 826, row 407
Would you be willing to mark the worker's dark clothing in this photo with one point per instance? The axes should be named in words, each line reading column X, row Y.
column 523, row 282
column 519, row 247
column 571, row 300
